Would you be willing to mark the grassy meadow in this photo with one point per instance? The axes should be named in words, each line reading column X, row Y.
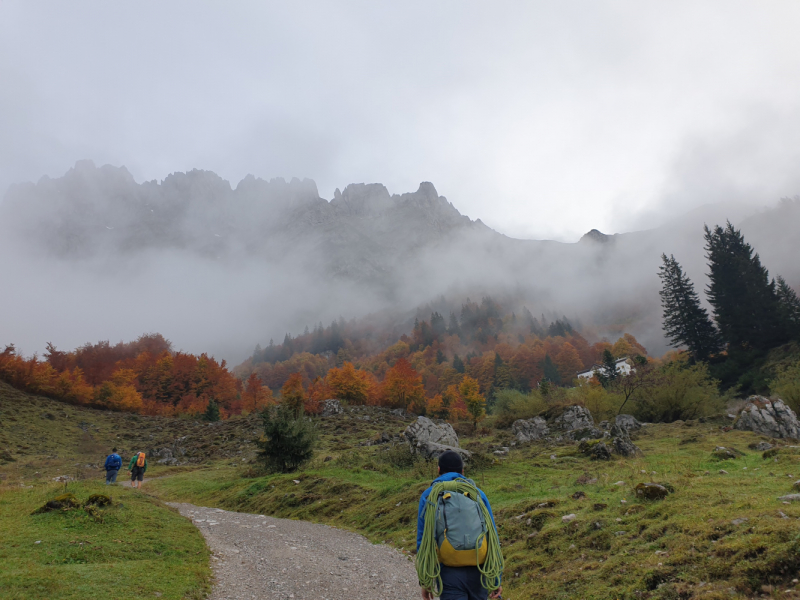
column 718, row 535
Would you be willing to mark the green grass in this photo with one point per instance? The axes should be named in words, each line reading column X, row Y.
column 608, row 551
column 135, row 548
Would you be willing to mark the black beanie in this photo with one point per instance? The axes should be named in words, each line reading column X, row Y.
column 450, row 462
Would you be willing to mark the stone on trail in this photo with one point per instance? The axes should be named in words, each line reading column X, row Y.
column 767, row 417
column 651, row 491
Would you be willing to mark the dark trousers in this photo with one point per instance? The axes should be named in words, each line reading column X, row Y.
column 462, row 583
column 111, row 476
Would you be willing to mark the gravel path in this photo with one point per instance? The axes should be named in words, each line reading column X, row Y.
column 266, row 558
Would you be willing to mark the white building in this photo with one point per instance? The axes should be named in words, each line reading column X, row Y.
column 624, row 367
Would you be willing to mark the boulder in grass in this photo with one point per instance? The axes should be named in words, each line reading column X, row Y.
column 573, row 418
column 651, row 491
column 768, row 417
column 529, row 430
column 424, row 430
column 628, row 423
column 622, row 444
column 790, row 498
column 723, row 453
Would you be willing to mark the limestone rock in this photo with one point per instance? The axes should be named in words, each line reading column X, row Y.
column 331, row 407
column 425, row 430
column 628, row 423
column 767, row 417
column 651, row 491
column 790, row 498
column 430, row 440
column 622, row 444
column 595, row 450
column 528, row 430
column 573, row 418
column 760, row 446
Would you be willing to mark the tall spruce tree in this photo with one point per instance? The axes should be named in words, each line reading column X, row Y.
column 790, row 307
column 686, row 323
column 745, row 302
column 550, row 370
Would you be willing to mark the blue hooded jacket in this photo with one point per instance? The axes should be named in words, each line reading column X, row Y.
column 113, row 462
column 424, row 498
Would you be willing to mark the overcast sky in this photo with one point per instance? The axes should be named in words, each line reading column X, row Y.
column 543, row 119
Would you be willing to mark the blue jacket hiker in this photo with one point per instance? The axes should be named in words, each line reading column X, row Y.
column 113, row 465
column 458, row 582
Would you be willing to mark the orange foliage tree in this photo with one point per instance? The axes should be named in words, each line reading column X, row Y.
column 402, row 387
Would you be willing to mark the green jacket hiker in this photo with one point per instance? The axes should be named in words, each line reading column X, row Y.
column 137, row 467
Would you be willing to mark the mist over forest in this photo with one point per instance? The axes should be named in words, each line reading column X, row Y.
column 220, row 268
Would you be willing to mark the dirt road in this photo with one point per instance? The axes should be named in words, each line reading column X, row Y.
column 262, row 557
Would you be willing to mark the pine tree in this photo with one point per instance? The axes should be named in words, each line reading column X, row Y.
column 212, row 412
column 686, row 323
column 746, row 305
column 790, row 307
column 440, row 357
column 551, row 373
column 453, row 328
column 458, row 364
column 607, row 374
column 289, row 439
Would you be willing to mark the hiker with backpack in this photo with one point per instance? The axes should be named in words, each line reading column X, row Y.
column 136, row 468
column 458, row 549
column 112, row 466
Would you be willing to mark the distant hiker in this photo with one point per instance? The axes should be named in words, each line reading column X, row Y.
column 113, row 465
column 458, row 549
column 137, row 467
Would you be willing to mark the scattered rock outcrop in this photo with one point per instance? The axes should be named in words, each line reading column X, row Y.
column 430, row 440
column 528, row 430
column 573, row 418
column 767, row 417
column 331, row 407
column 576, row 423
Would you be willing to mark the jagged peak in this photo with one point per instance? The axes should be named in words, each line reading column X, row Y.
column 597, row 237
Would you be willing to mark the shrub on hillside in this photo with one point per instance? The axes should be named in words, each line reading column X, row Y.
column 511, row 405
column 602, row 403
column 678, row 391
column 289, row 439
column 786, row 385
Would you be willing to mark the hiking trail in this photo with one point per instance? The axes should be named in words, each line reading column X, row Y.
column 255, row 556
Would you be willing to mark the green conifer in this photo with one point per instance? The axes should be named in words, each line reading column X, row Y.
column 745, row 302
column 686, row 323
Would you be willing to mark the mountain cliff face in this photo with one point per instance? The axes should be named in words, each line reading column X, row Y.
column 362, row 251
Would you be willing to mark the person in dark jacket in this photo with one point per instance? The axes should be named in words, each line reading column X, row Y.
column 137, row 470
column 458, row 583
column 113, row 465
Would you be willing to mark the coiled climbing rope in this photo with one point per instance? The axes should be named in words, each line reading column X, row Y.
column 427, row 562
